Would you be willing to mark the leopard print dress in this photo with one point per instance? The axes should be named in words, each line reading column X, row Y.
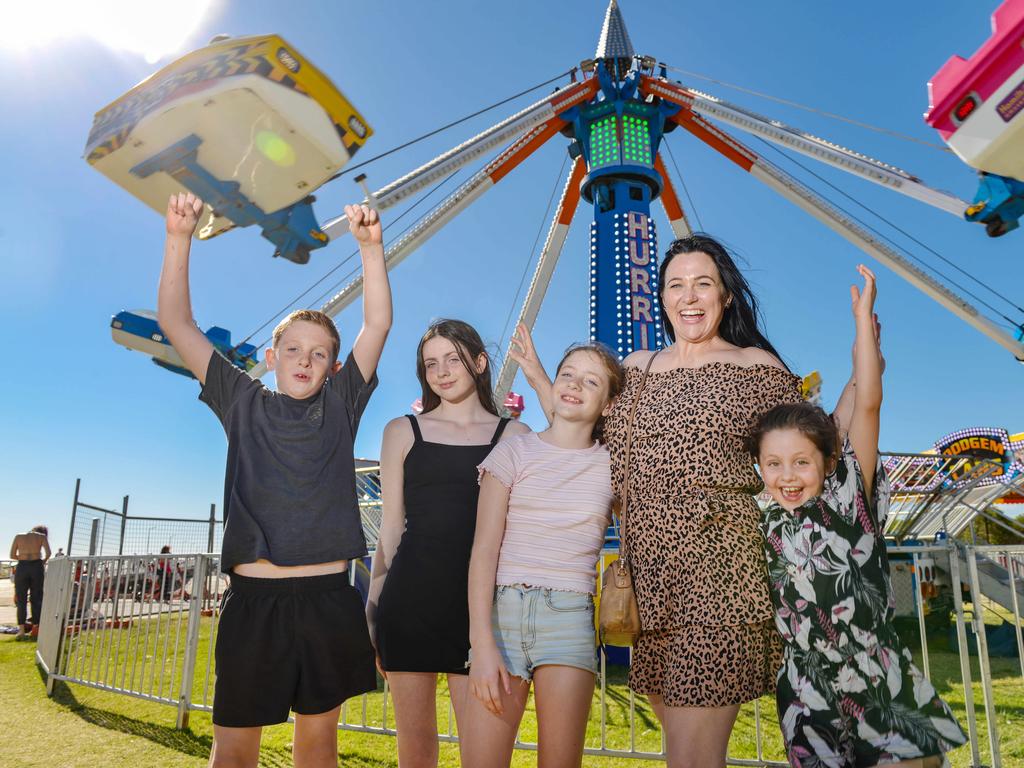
column 708, row 637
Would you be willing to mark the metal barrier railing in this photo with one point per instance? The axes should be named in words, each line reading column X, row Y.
column 146, row 627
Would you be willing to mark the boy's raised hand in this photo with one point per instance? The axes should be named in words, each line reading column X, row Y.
column 364, row 224
column 183, row 211
column 864, row 299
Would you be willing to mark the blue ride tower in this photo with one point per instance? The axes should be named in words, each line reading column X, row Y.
column 618, row 135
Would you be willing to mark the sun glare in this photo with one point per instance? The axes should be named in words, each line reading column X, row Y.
column 146, row 27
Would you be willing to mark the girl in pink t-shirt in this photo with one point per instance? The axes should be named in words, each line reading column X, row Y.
column 545, row 502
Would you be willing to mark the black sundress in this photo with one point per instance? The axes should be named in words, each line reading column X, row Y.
column 423, row 608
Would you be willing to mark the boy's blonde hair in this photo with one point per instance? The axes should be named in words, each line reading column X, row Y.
column 316, row 317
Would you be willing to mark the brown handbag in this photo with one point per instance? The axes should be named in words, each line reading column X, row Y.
column 619, row 616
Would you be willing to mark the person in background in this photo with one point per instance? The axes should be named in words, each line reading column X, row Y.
column 31, row 550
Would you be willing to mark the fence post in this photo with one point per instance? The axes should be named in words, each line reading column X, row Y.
column 963, row 649
column 74, row 510
column 57, row 589
column 213, row 528
column 94, row 531
column 983, row 661
column 191, row 641
column 124, row 522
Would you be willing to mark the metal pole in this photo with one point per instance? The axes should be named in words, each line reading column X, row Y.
column 93, row 534
column 963, row 650
column 919, row 602
column 74, row 510
column 191, row 642
column 213, row 527
column 983, row 662
column 124, row 521
column 1011, row 567
column 65, row 569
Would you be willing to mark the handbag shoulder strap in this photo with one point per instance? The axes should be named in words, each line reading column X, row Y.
column 629, row 449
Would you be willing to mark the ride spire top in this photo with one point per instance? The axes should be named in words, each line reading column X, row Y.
column 614, row 44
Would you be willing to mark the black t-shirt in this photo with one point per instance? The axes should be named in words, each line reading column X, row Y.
column 289, row 485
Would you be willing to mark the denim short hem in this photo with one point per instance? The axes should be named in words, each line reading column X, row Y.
column 539, row 626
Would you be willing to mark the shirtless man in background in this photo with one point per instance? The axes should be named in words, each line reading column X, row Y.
column 28, row 549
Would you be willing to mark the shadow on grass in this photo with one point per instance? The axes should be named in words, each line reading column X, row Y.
column 186, row 742
column 617, row 692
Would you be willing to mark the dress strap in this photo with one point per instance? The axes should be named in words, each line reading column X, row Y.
column 502, row 423
column 415, row 427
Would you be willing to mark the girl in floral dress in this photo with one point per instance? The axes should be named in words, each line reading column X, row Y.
column 849, row 693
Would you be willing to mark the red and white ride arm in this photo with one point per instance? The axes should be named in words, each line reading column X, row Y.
column 445, row 211
column 821, row 209
column 807, row 144
column 539, row 113
column 545, row 266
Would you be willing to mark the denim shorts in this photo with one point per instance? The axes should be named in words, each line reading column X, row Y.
column 534, row 626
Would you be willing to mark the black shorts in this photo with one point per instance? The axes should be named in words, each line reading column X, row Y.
column 289, row 644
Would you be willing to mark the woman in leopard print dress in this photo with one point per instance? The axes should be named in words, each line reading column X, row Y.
column 708, row 643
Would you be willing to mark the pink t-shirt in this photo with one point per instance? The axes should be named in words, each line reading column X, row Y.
column 558, row 510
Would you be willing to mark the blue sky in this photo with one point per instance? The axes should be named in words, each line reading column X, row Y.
column 76, row 248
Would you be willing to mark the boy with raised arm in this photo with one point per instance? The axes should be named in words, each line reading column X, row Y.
column 292, row 633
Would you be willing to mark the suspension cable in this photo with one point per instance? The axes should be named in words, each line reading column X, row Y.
column 529, row 259
column 896, row 246
column 436, row 131
column 682, row 181
column 823, row 113
column 348, row 258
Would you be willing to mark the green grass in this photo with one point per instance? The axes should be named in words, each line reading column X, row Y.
column 95, row 727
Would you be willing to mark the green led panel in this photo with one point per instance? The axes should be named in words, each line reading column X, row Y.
column 604, row 146
column 636, row 141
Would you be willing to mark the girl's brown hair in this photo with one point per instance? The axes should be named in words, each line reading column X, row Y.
column 616, row 376
column 470, row 346
column 810, row 420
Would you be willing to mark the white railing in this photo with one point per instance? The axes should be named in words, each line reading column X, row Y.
column 146, row 627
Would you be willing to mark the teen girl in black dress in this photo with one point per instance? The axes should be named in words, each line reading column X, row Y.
column 417, row 607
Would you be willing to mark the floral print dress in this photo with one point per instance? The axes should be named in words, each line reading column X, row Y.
column 848, row 693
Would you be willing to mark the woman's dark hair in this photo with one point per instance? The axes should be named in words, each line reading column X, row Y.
column 740, row 320
column 165, row 549
column 41, row 529
column 616, row 376
column 808, row 419
column 470, row 346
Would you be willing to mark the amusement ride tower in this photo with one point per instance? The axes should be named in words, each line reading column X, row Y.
column 614, row 111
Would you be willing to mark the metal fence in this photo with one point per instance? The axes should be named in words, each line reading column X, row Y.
column 146, row 627
column 96, row 530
